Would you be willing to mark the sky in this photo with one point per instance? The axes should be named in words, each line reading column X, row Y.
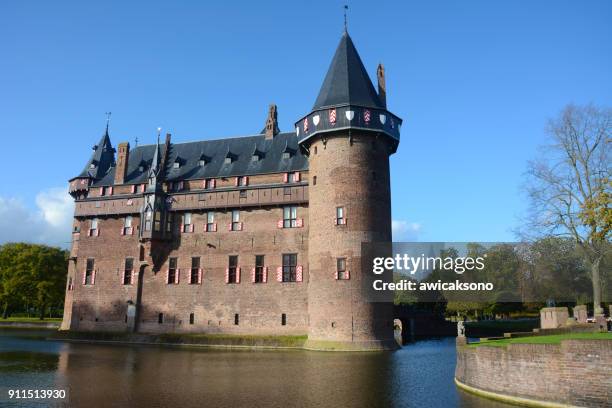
column 474, row 81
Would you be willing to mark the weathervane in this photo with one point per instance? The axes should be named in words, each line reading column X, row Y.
column 108, row 115
column 345, row 23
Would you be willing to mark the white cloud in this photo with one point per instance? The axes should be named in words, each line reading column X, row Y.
column 405, row 231
column 49, row 224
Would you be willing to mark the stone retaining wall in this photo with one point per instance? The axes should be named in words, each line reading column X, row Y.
column 575, row 372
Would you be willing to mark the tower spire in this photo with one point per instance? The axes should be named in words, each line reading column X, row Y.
column 345, row 21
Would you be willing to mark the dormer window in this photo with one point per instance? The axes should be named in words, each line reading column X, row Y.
column 254, row 158
column 202, row 163
column 228, row 160
column 176, row 165
column 286, row 155
column 141, row 169
column 92, row 166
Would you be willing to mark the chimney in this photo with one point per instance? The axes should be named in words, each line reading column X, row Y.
column 271, row 128
column 382, row 86
column 123, row 156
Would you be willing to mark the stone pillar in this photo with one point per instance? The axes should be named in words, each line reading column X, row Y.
column 580, row 313
column 553, row 317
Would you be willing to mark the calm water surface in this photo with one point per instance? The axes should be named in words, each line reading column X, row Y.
column 418, row 375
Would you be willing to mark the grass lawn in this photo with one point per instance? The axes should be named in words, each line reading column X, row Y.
column 506, row 325
column 30, row 319
column 550, row 339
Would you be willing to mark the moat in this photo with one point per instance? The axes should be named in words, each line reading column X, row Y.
column 418, row 375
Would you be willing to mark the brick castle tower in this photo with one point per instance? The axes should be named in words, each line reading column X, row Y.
column 348, row 136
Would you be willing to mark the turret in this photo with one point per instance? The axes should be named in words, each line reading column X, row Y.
column 348, row 135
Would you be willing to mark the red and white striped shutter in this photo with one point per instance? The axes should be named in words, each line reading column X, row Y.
column 229, row 226
column 348, row 274
column 240, row 226
column 200, row 276
column 167, row 276
column 236, row 181
column 296, row 176
column 122, row 231
column 98, row 231
column 110, row 190
column 132, row 277
column 89, row 232
column 101, row 190
column 214, row 183
column 286, row 177
column 191, row 227
column 280, row 224
column 176, row 276
column 336, row 274
column 226, row 275
column 279, row 274
column 204, row 183
column 121, row 275
column 93, row 277
column 299, row 223
column 84, row 277
column 299, row 273
column 253, row 275
column 131, row 230
column 265, row 274
column 144, row 187
column 205, row 227
column 182, row 227
column 246, row 180
column 238, row 275
column 335, row 220
column 133, row 188
column 180, row 185
column 215, row 227
column 189, row 277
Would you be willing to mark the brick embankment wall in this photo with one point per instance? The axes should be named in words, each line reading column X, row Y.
column 575, row 372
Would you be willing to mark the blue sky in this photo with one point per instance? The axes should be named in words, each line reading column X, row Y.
column 475, row 82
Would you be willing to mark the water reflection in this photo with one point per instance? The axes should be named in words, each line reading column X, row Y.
column 419, row 375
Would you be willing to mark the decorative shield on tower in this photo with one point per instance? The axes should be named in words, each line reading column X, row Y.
column 332, row 116
column 367, row 116
column 349, row 115
column 305, row 125
column 297, row 130
column 315, row 120
column 383, row 118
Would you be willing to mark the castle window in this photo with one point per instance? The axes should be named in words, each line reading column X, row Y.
column 236, row 319
column 89, row 278
column 176, row 165
column 259, row 269
column 289, row 267
column 289, row 217
column 287, row 191
column 210, row 222
column 127, row 225
column 70, row 284
column 148, row 217
column 315, row 150
column 191, row 318
column 187, row 224
column 202, row 163
column 157, row 221
column 254, row 158
column 160, row 318
column 196, row 272
column 228, row 160
column 236, row 225
column 169, row 222
column 341, row 272
column 232, row 270
column 314, row 180
column 286, row 155
column 102, row 191
column 172, row 271
column 93, row 229
column 128, row 271
column 209, row 183
column 242, row 181
column 283, row 319
column 177, row 185
column 243, row 194
column 340, row 216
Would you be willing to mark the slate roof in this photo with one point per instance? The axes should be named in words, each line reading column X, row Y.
column 214, row 153
column 347, row 81
column 103, row 158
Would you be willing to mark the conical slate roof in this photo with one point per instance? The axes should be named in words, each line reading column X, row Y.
column 347, row 81
column 102, row 159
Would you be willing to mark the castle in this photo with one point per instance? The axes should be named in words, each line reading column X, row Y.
column 255, row 235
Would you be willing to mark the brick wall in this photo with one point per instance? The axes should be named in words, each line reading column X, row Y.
column 576, row 372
